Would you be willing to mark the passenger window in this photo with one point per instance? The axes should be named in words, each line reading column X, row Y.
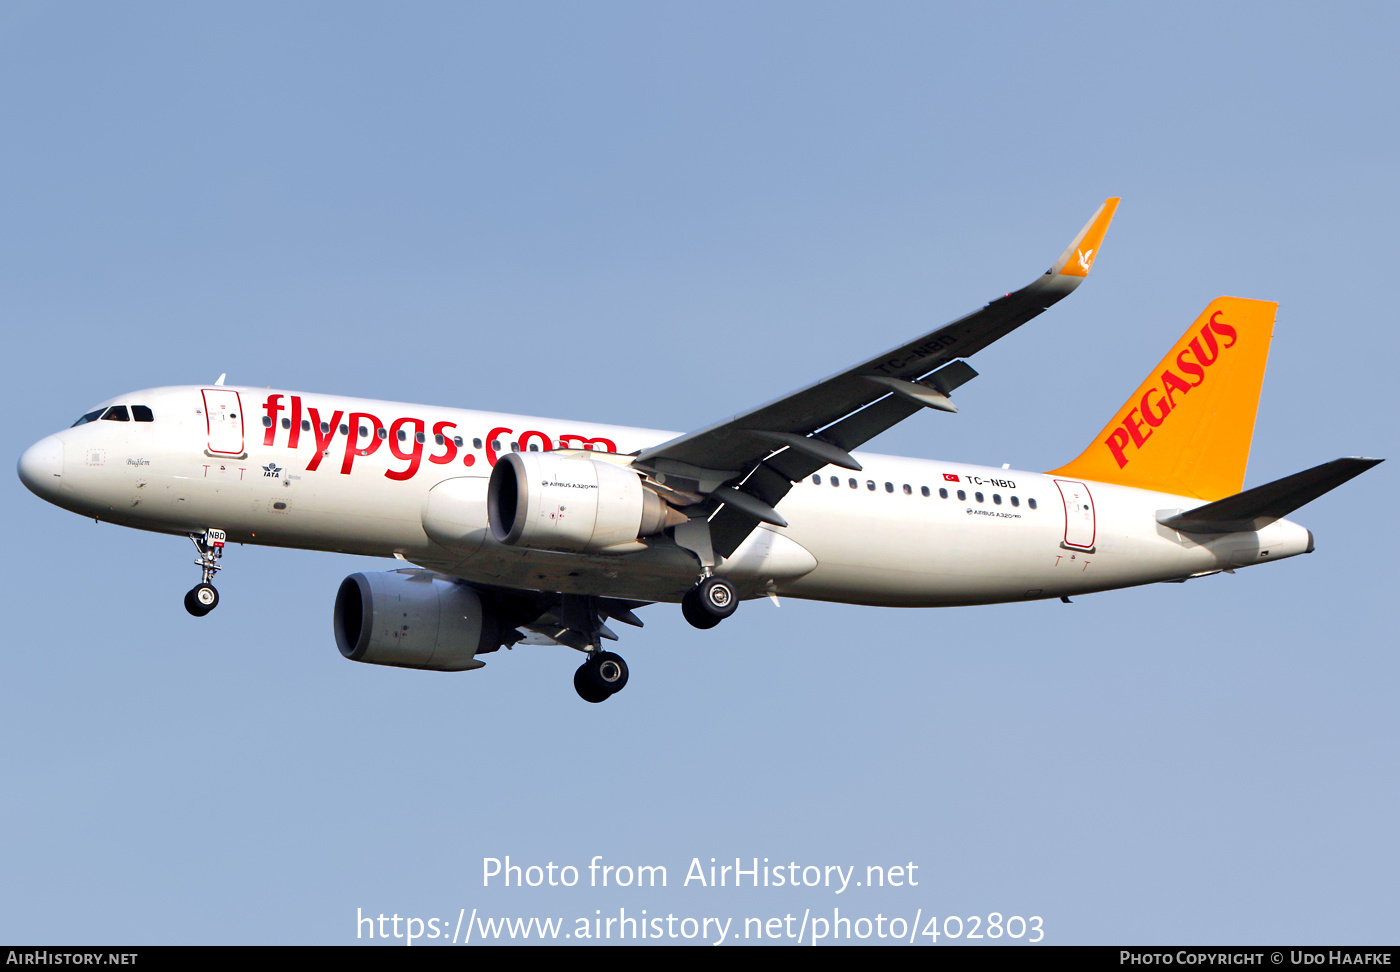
column 1030, row 503
column 383, row 433
column 325, row 427
column 438, row 438
column 907, row 490
column 534, row 447
column 835, row 481
column 996, row 498
column 286, row 423
column 870, row 485
column 852, row 482
column 514, row 446
column 117, row 413
column 457, row 441
column 143, row 414
column 403, row 436
column 306, row 425
column 476, row 443
column 889, row 487
column 962, row 495
column 89, row 417
column 344, row 429
column 942, row 493
column 267, row 421
column 363, row 431
column 924, row 490
column 419, row 436
column 817, row 480
column 495, row 444
column 1015, row 501
column 979, row 497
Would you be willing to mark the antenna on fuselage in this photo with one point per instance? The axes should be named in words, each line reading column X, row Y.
column 221, row 378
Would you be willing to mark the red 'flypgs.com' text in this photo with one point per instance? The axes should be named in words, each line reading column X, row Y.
column 407, row 437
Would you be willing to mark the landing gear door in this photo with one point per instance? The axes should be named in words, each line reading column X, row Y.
column 223, row 410
column 1080, row 524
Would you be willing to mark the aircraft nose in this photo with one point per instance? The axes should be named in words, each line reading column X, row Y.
column 41, row 466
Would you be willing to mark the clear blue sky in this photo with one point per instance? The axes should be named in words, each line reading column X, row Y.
column 659, row 215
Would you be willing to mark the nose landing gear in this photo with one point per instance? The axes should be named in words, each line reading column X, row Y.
column 203, row 598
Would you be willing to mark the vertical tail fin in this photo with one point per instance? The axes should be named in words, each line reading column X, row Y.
column 1188, row 427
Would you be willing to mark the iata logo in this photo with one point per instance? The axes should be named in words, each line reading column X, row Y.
column 1086, row 259
column 272, row 469
column 1158, row 403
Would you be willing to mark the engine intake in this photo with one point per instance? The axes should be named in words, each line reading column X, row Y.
column 581, row 505
column 413, row 619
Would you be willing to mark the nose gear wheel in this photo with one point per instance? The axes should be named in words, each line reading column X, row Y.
column 203, row 598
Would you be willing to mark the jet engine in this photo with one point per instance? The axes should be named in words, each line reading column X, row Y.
column 572, row 503
column 415, row 619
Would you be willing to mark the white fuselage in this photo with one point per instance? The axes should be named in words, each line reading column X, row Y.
column 314, row 480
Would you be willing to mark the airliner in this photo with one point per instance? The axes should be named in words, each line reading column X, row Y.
column 518, row 529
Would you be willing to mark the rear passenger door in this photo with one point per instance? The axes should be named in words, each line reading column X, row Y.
column 1080, row 524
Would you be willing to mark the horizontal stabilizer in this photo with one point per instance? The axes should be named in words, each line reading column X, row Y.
column 1256, row 508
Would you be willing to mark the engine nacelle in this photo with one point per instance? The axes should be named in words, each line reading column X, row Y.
column 581, row 505
column 413, row 619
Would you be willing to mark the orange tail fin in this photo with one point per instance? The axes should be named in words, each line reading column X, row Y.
column 1187, row 428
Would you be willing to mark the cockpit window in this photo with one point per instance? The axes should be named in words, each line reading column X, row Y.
column 117, row 413
column 142, row 413
column 92, row 416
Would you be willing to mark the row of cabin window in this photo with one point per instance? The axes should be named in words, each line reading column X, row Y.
column 924, row 490
column 117, row 413
column 402, row 435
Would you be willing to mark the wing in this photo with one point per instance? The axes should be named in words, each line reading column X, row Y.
column 742, row 466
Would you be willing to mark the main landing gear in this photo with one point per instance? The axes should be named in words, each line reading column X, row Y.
column 709, row 602
column 203, row 598
column 604, row 674
column 601, row 677
column 580, row 626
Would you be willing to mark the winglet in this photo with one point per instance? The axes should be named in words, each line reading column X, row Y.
column 1078, row 257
